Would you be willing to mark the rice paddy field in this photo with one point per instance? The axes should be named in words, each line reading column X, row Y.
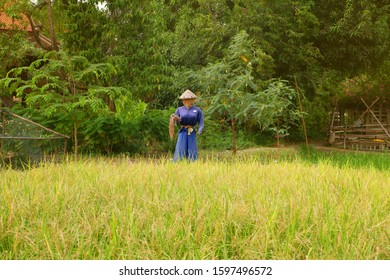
column 263, row 205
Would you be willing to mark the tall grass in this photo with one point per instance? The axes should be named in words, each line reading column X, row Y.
column 123, row 208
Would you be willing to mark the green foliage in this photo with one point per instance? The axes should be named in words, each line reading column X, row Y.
column 274, row 108
column 235, row 87
column 149, row 134
column 200, row 32
column 316, row 118
column 228, row 80
column 286, row 30
column 155, row 49
column 13, row 51
column 15, row 47
column 138, row 45
column 15, row 12
column 74, row 92
column 218, row 136
column 354, row 37
column 86, row 30
column 105, row 133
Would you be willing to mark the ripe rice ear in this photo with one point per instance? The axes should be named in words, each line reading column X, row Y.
column 172, row 121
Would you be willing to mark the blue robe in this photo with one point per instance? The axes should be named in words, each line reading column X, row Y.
column 186, row 142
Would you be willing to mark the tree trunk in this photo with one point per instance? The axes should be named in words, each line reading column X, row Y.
column 52, row 33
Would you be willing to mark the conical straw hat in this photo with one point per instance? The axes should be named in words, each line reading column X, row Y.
column 188, row 95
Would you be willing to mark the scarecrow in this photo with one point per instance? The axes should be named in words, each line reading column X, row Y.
column 187, row 116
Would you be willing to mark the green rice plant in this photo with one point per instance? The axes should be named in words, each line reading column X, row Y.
column 243, row 208
column 357, row 159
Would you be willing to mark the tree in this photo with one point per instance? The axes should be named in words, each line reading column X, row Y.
column 228, row 80
column 199, row 32
column 84, row 30
column 274, row 109
column 354, row 37
column 129, row 35
column 51, row 21
column 17, row 50
column 71, row 92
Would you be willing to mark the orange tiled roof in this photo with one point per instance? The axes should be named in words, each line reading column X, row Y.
column 6, row 22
